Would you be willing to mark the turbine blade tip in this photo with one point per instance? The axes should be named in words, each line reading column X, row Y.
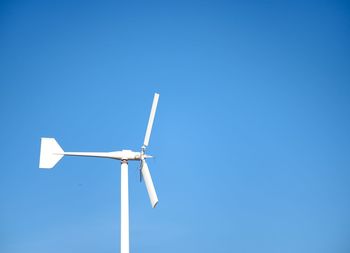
column 155, row 204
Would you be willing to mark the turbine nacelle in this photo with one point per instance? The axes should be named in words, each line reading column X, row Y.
column 128, row 155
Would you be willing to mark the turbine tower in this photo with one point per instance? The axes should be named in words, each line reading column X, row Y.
column 51, row 153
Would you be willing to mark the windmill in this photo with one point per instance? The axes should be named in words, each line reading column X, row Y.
column 51, row 153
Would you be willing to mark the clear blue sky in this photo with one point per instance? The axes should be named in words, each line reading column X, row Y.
column 251, row 136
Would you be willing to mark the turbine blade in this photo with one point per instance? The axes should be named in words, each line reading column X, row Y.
column 149, row 184
column 151, row 119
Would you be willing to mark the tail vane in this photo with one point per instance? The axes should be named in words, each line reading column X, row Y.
column 50, row 153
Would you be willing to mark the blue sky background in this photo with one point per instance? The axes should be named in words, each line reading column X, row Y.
column 251, row 136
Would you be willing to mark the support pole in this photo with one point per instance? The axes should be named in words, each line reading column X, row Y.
column 124, row 208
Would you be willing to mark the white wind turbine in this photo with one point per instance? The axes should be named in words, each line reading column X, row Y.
column 51, row 153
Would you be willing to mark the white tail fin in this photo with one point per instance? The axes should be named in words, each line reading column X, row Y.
column 50, row 153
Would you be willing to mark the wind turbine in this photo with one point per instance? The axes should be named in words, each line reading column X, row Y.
column 51, row 153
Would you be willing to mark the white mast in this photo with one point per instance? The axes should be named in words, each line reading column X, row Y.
column 124, row 208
